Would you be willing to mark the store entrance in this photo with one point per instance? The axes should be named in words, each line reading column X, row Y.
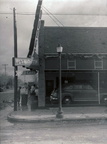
column 49, row 89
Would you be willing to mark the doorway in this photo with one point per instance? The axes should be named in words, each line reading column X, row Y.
column 49, row 89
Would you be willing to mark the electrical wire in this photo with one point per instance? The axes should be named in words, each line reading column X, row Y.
column 53, row 16
column 62, row 27
column 68, row 14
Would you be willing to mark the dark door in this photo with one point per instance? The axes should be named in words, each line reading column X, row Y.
column 49, row 87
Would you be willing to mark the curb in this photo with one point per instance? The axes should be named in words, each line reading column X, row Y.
column 29, row 120
column 52, row 118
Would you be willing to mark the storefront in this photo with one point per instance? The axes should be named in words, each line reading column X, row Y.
column 96, row 79
column 84, row 58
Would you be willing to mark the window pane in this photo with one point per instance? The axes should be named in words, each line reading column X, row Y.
column 98, row 64
column 72, row 64
column 78, row 87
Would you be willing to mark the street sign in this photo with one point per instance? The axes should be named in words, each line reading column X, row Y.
column 25, row 62
column 28, row 73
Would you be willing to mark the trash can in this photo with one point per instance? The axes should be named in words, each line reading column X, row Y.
column 24, row 99
column 34, row 102
column 34, row 105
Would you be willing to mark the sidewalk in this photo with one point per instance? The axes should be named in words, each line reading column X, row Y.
column 69, row 113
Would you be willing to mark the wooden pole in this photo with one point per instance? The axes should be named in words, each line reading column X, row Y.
column 15, row 56
column 5, row 66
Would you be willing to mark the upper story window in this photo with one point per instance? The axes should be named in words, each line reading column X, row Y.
column 71, row 64
column 98, row 64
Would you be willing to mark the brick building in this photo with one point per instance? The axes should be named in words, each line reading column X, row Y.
column 84, row 57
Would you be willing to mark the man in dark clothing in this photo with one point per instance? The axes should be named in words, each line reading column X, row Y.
column 18, row 95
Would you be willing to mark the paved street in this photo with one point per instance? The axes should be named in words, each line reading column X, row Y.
column 62, row 132
column 54, row 132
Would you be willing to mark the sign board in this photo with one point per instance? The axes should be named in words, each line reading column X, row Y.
column 25, row 62
column 28, row 73
column 18, row 73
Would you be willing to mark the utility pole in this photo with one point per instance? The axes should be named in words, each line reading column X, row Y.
column 15, row 56
column 5, row 66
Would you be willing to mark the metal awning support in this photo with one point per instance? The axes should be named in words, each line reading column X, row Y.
column 36, row 27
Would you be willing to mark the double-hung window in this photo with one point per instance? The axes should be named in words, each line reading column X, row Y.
column 71, row 64
column 98, row 64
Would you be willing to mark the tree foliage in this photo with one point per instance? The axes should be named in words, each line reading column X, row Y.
column 6, row 80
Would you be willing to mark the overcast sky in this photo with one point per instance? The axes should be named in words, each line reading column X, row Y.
column 78, row 13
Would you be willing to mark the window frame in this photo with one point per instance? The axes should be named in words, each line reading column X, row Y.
column 100, row 64
column 71, row 67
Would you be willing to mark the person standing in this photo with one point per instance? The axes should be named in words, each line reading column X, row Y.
column 18, row 95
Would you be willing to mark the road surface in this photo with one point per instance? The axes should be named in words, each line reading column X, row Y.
column 93, row 132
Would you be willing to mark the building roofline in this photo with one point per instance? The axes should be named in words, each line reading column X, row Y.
column 78, row 53
column 74, row 27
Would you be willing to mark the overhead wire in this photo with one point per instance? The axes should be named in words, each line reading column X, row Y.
column 58, row 22
column 55, row 19
column 65, row 14
column 53, row 15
